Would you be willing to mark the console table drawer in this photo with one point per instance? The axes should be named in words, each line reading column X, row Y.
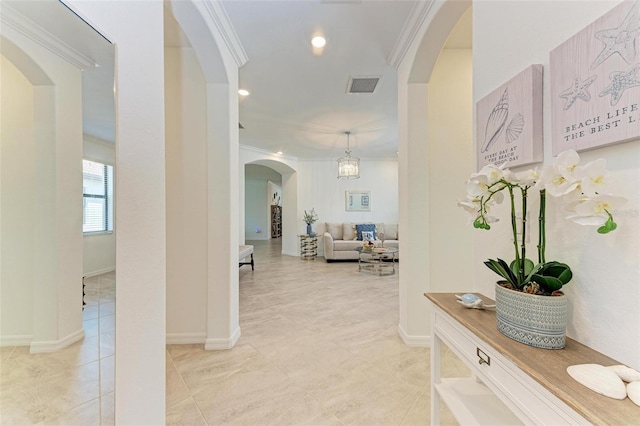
column 526, row 398
column 531, row 383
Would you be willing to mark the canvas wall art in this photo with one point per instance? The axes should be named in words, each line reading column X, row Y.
column 595, row 82
column 509, row 121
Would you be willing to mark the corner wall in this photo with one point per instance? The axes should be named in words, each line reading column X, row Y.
column 508, row 36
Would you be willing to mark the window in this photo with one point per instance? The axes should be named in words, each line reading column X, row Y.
column 97, row 197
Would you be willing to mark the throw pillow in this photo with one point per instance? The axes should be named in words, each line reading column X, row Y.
column 369, row 227
column 335, row 229
column 368, row 235
column 348, row 232
column 391, row 232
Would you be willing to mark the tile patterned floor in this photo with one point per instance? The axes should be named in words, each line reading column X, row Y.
column 319, row 346
column 73, row 386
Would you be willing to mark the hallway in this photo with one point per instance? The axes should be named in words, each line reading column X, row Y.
column 319, row 346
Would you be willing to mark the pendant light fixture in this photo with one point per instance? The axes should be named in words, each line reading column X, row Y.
column 348, row 167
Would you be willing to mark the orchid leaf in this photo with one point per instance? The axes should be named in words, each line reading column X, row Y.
column 550, row 284
column 528, row 266
column 502, row 270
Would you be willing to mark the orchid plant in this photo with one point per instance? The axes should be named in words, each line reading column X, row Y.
column 583, row 188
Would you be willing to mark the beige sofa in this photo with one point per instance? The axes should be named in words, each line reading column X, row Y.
column 340, row 241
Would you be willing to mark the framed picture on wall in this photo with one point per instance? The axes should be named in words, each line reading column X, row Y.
column 358, row 201
column 595, row 82
column 509, row 121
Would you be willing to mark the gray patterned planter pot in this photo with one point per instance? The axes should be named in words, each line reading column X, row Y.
column 534, row 320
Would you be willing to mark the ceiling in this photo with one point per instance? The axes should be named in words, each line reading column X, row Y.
column 55, row 25
column 298, row 102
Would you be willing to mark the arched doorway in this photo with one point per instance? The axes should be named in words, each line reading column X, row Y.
column 424, row 169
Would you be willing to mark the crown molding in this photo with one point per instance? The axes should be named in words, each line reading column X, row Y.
column 37, row 34
column 417, row 16
column 264, row 152
column 222, row 22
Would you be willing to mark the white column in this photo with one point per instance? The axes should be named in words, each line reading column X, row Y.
column 290, row 242
column 137, row 28
column 414, row 327
column 223, row 327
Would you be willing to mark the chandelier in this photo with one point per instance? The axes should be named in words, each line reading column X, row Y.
column 348, row 167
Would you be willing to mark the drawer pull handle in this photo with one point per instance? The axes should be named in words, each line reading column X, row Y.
column 482, row 357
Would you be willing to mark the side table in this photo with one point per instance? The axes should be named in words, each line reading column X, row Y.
column 308, row 247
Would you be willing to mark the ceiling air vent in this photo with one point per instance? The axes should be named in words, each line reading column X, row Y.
column 362, row 84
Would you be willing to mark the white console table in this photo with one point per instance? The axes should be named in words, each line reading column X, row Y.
column 513, row 383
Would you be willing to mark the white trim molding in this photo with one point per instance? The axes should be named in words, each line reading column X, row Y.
column 223, row 23
column 223, row 343
column 417, row 16
column 186, row 338
column 414, row 341
column 56, row 345
column 37, row 34
column 99, row 272
column 16, row 340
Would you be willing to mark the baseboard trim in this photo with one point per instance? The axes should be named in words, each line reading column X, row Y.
column 186, row 338
column 414, row 341
column 291, row 253
column 56, row 345
column 100, row 272
column 16, row 340
column 221, row 344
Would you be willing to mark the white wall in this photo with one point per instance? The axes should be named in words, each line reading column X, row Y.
column 55, row 253
column 99, row 250
column 17, row 184
column 320, row 189
column 186, row 178
column 603, row 295
column 450, row 118
column 140, row 254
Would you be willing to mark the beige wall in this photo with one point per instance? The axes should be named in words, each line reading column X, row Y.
column 186, row 176
column 17, row 182
column 450, row 118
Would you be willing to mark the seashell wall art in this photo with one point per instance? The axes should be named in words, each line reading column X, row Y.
column 509, row 121
column 595, row 82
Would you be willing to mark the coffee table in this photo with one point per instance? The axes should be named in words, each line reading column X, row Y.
column 380, row 260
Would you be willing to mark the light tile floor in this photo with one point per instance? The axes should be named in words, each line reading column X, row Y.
column 319, row 346
column 73, row 386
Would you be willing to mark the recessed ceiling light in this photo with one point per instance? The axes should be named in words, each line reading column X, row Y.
column 279, row 152
column 243, row 92
column 318, row 41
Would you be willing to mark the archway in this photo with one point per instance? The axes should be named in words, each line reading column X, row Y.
column 210, row 161
column 418, row 164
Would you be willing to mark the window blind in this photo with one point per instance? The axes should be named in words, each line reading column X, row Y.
column 97, row 208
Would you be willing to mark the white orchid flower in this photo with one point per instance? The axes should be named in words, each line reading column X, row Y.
column 528, row 178
column 558, row 182
column 494, row 173
column 497, row 198
column 477, row 185
column 593, row 177
column 470, row 205
column 595, row 210
column 566, row 163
